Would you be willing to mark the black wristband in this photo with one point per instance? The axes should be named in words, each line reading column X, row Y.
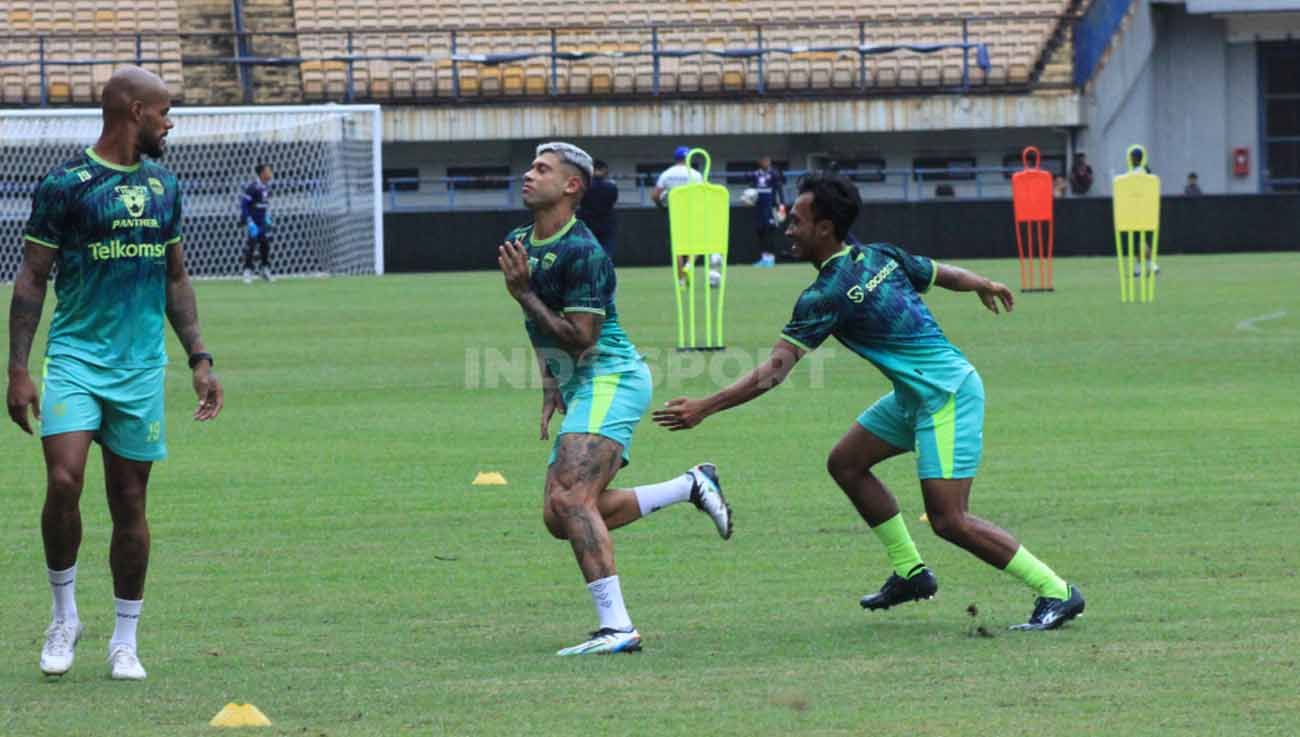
column 196, row 357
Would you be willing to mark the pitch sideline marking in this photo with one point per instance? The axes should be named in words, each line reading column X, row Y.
column 1249, row 323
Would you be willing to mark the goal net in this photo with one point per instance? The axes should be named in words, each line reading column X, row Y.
column 325, row 201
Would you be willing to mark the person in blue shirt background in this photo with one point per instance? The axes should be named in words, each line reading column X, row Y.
column 255, row 214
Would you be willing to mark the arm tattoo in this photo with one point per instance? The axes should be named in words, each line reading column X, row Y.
column 183, row 313
column 28, row 300
column 557, row 326
column 24, row 317
column 182, row 309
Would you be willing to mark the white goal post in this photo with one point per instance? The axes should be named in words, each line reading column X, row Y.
column 326, row 199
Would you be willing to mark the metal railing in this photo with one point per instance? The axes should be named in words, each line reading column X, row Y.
column 852, row 46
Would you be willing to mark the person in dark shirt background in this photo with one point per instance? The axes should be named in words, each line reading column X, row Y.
column 597, row 208
column 769, row 183
column 254, row 212
column 1080, row 175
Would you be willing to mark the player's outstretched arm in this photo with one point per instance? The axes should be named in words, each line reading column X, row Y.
column 24, row 317
column 575, row 332
column 962, row 280
column 683, row 413
column 183, row 314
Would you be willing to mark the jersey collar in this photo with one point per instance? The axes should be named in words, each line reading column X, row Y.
column 90, row 151
column 842, row 252
column 558, row 235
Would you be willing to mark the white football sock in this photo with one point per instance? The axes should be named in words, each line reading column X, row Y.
column 654, row 497
column 63, row 584
column 607, row 595
column 128, row 615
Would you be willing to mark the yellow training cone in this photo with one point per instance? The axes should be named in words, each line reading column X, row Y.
column 489, row 478
column 925, row 518
column 240, row 715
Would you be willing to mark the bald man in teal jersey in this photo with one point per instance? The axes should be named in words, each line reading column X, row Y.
column 111, row 221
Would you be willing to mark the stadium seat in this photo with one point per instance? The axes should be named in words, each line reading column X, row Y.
column 537, row 77
column 512, row 79
column 1015, row 46
column 95, row 22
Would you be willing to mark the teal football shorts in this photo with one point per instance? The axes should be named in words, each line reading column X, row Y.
column 948, row 443
column 123, row 407
column 610, row 405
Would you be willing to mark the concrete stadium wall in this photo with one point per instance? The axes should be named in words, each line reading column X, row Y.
column 1174, row 84
column 455, row 241
column 897, row 150
column 854, row 114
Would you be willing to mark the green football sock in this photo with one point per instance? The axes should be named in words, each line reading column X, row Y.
column 898, row 544
column 1037, row 575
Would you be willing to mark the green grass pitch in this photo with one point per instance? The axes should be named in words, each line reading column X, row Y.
column 320, row 552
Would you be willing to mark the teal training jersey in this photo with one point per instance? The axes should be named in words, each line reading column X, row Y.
column 112, row 226
column 570, row 272
column 869, row 298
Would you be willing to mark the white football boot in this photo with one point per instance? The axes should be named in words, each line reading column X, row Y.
column 607, row 641
column 706, row 495
column 124, row 665
column 61, row 639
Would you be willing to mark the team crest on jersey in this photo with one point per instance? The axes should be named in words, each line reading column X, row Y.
column 133, row 196
column 548, row 260
column 155, row 186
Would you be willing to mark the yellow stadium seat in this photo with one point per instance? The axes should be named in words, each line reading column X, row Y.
column 21, row 19
column 403, row 83
column 512, row 80
column 60, row 92
column 537, row 77
column 489, row 80
column 715, row 24
column 425, row 82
